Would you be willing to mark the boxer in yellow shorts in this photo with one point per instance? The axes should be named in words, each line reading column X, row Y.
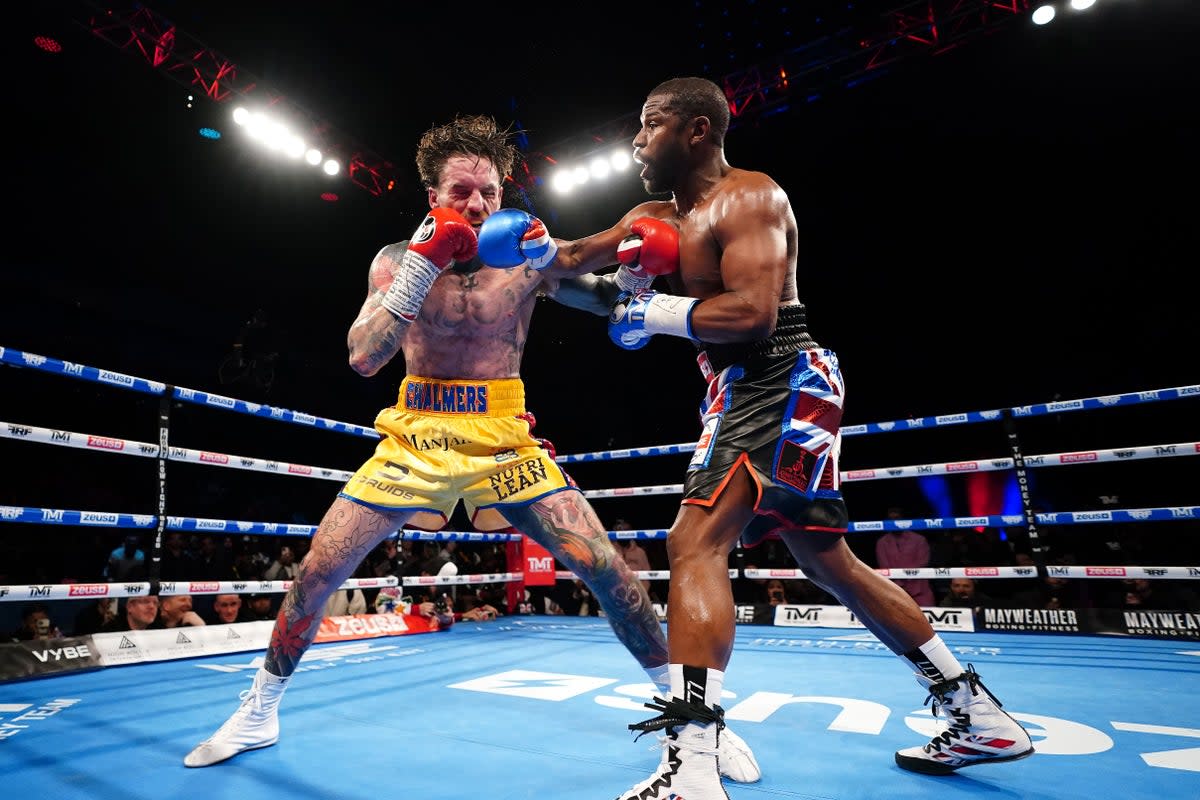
column 458, row 432
column 449, row 440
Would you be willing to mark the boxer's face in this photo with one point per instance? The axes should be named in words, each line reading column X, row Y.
column 469, row 185
column 661, row 146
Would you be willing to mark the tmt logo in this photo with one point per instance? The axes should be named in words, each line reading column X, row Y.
column 540, row 563
column 950, row 616
column 800, row 613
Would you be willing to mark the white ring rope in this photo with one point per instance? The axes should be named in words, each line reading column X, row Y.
column 112, row 444
column 103, row 519
column 130, row 447
column 79, row 591
column 109, row 444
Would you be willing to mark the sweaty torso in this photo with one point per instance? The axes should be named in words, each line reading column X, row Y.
column 472, row 326
column 700, row 242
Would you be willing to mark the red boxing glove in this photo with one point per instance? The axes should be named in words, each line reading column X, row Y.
column 652, row 249
column 444, row 237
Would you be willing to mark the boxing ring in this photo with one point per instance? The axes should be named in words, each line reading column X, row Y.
column 536, row 706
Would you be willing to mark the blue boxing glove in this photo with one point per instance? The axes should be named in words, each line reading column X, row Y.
column 637, row 317
column 512, row 238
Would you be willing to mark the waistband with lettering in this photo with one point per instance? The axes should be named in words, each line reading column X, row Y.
column 500, row 397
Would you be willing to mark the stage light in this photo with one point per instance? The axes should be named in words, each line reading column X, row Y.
column 294, row 146
column 1043, row 14
column 47, row 44
column 599, row 169
column 210, row 133
column 563, row 181
column 331, row 167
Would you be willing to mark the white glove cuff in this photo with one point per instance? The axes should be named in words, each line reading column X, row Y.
column 632, row 282
column 670, row 314
column 548, row 249
column 410, row 285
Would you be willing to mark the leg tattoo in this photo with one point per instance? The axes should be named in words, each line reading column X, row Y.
column 346, row 535
column 566, row 525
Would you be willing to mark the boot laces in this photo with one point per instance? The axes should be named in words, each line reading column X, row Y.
column 675, row 714
column 958, row 720
column 251, row 700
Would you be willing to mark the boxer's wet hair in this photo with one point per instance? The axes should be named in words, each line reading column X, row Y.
column 697, row 97
column 466, row 135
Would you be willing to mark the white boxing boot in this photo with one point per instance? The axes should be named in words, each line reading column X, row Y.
column 255, row 723
column 690, row 753
column 974, row 730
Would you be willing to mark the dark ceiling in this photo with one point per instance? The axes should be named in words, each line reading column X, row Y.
column 1006, row 223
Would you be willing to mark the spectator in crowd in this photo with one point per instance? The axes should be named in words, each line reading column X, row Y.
column 473, row 610
column 965, row 593
column 1003, row 590
column 431, row 558
column 135, row 614
column 36, row 624
column 749, row 590
column 177, row 563
column 775, row 593
column 635, row 556
column 1053, row 592
column 802, row 590
column 227, row 609
column 1155, row 595
column 127, row 562
column 260, row 607
column 390, row 558
column 284, row 567
column 906, row 548
column 92, row 617
column 574, row 599
column 84, row 561
column 344, row 602
column 212, row 563
column 248, row 563
column 175, row 611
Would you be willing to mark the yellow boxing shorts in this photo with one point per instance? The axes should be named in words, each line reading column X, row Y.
column 446, row 441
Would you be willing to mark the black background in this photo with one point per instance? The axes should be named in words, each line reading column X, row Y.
column 1010, row 222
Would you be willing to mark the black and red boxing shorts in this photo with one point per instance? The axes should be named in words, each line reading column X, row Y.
column 780, row 418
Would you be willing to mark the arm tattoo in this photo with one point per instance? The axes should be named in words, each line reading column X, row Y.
column 383, row 338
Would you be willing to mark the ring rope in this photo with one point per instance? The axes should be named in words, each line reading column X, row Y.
column 77, row 591
column 130, row 447
column 19, row 358
column 924, row 423
column 103, row 519
column 112, row 444
column 1056, row 571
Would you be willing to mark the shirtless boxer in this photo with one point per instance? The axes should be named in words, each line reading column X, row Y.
column 461, row 413
column 766, row 462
